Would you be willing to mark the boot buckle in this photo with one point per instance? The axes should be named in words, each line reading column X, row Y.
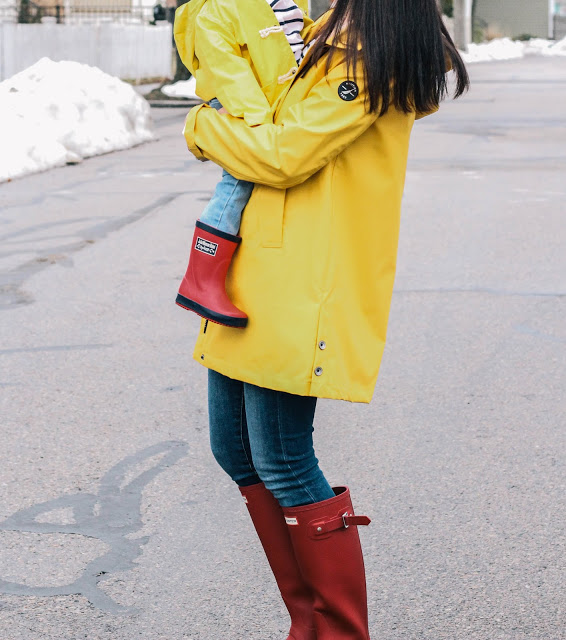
column 323, row 528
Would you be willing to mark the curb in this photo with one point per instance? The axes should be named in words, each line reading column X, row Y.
column 173, row 104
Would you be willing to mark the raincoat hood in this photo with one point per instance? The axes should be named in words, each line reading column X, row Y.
column 238, row 53
column 184, row 32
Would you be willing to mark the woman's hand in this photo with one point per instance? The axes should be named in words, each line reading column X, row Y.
column 222, row 111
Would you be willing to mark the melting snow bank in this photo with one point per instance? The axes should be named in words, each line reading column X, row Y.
column 507, row 49
column 181, row 89
column 55, row 113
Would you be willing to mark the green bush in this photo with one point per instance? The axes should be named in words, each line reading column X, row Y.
column 447, row 8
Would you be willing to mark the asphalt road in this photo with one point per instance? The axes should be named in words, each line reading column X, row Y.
column 115, row 522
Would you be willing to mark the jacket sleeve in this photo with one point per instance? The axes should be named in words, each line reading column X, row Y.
column 220, row 58
column 285, row 154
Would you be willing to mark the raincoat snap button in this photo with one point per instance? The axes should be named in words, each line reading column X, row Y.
column 322, row 345
column 318, row 371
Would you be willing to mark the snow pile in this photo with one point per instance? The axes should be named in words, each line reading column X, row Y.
column 507, row 49
column 498, row 49
column 55, row 113
column 558, row 49
column 181, row 89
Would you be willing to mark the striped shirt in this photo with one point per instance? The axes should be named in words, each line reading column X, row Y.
column 304, row 51
column 290, row 17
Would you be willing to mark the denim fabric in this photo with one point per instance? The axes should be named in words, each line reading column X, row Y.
column 261, row 435
column 215, row 104
column 224, row 211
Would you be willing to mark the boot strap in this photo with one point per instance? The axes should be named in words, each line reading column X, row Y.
column 339, row 522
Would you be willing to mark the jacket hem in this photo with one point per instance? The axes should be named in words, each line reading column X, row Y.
column 276, row 383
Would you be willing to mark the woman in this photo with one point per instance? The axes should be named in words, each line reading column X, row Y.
column 315, row 275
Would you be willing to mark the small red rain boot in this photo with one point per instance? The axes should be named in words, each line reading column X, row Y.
column 327, row 547
column 269, row 523
column 203, row 289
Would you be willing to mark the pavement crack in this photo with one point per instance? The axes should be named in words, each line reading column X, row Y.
column 12, row 282
column 118, row 516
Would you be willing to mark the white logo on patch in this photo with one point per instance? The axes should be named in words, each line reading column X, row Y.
column 293, row 521
column 348, row 90
column 205, row 246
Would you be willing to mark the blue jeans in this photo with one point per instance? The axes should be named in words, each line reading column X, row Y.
column 261, row 435
column 224, row 211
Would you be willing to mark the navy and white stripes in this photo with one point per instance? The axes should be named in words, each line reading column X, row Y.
column 304, row 51
column 290, row 18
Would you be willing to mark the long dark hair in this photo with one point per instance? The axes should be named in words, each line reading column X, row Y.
column 405, row 51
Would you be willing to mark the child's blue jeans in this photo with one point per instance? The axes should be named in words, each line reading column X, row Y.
column 261, row 435
column 224, row 211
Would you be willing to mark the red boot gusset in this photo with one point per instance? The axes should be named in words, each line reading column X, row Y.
column 269, row 523
column 203, row 289
column 327, row 547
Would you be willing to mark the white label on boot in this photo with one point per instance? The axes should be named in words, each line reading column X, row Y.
column 205, row 246
column 291, row 520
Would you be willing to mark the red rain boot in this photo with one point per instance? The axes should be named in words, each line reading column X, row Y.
column 203, row 288
column 270, row 526
column 327, row 547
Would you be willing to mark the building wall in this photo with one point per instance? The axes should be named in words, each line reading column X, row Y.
column 514, row 17
column 126, row 51
column 318, row 7
column 560, row 27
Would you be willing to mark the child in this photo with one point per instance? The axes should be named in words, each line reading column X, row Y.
column 243, row 55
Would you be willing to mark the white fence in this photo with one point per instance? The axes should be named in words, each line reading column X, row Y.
column 126, row 51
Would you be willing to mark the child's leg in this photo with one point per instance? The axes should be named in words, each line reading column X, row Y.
column 215, row 240
column 224, row 211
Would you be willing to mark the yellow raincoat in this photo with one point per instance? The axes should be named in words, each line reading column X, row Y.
column 236, row 54
column 316, row 265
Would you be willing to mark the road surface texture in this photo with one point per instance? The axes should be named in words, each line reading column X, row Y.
column 115, row 521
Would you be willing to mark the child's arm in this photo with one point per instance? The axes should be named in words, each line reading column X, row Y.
column 220, row 57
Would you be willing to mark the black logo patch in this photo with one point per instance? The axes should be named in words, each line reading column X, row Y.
column 348, row 90
column 205, row 246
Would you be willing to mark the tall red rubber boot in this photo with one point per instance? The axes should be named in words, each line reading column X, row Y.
column 269, row 523
column 203, row 289
column 327, row 547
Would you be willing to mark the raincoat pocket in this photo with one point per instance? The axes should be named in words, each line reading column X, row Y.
column 271, row 203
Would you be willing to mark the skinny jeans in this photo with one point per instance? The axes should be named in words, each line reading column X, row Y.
column 261, row 435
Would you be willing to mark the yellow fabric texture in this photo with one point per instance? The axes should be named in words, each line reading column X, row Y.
column 316, row 265
column 221, row 43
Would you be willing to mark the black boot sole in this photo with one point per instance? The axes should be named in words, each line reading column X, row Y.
column 208, row 314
